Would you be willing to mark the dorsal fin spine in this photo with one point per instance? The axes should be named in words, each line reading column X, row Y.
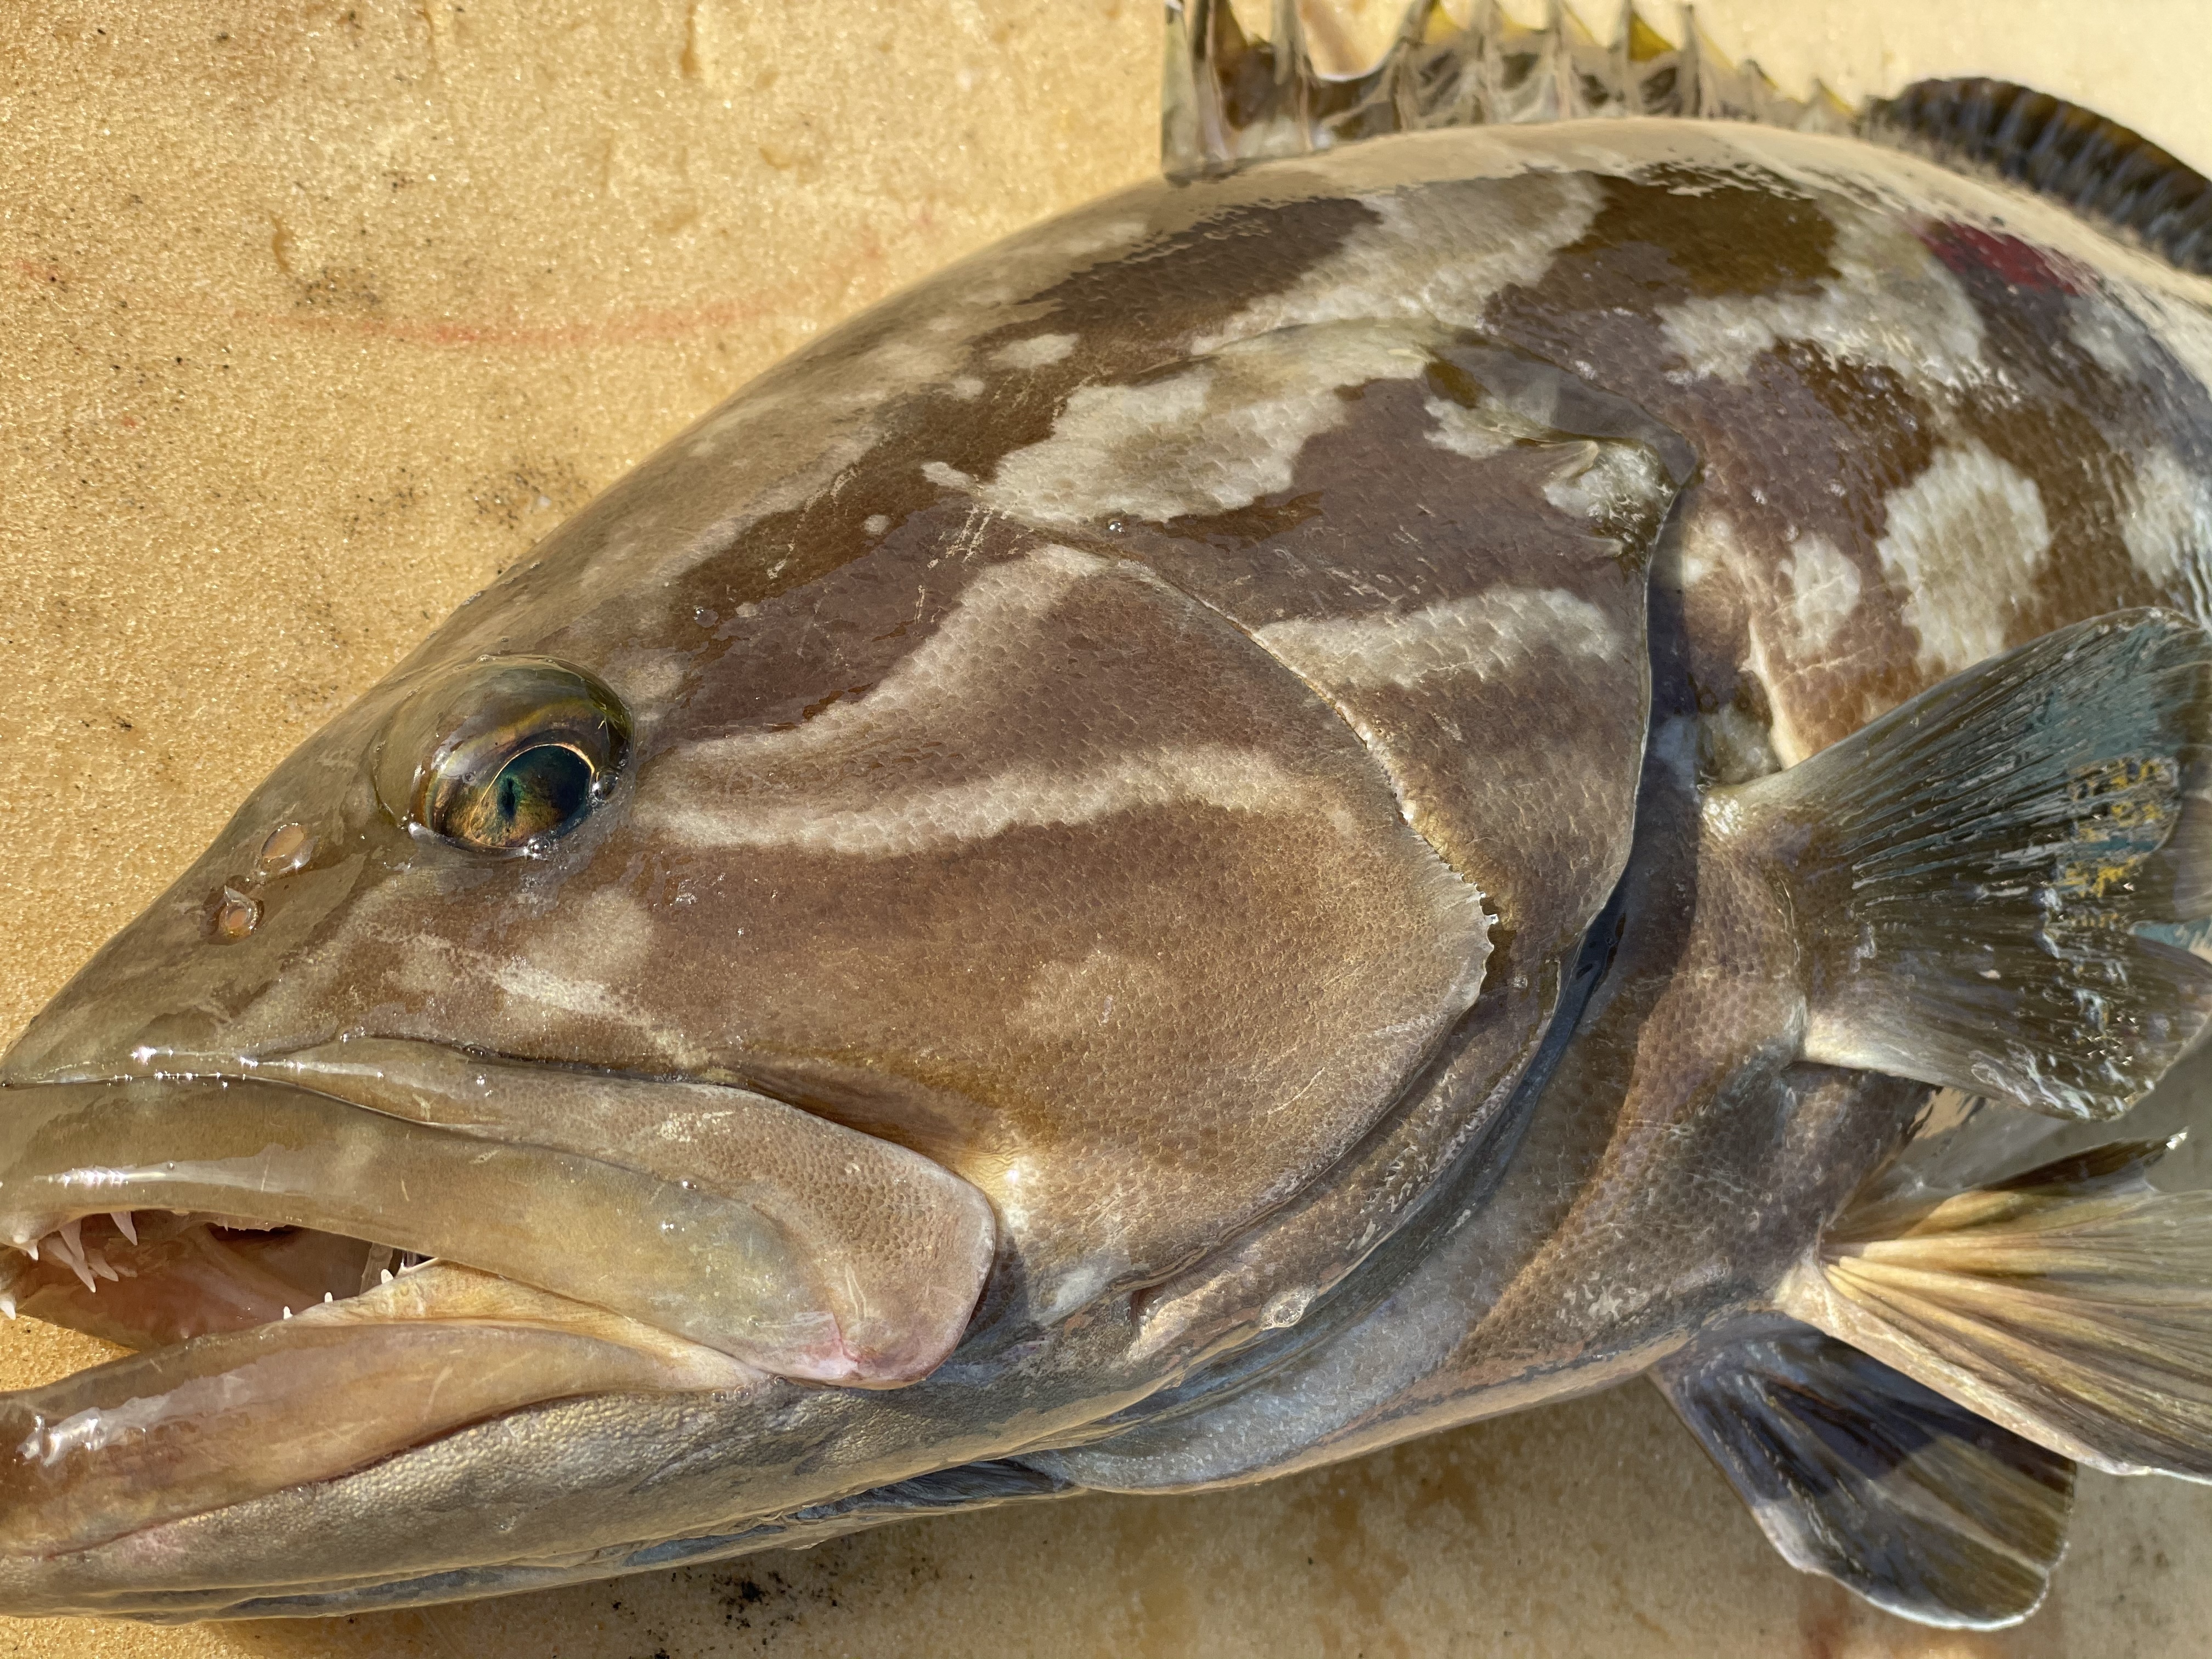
column 1231, row 99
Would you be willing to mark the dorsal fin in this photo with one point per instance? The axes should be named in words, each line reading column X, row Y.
column 2102, row 170
column 1230, row 98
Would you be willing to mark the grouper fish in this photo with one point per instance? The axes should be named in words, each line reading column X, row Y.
column 1544, row 720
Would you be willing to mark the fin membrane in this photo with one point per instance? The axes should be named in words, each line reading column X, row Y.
column 1858, row 1472
column 2072, row 1304
column 1969, row 871
column 1229, row 99
column 2102, row 170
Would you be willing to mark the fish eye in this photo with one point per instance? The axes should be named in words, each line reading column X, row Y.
column 503, row 755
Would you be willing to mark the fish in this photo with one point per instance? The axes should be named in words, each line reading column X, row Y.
column 1436, row 763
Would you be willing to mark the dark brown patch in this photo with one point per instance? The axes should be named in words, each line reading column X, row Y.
column 1675, row 232
column 1263, row 520
column 1204, row 275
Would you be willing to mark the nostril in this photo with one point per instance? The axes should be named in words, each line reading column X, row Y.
column 236, row 915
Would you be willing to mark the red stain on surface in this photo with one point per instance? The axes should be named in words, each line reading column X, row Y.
column 1969, row 248
column 635, row 328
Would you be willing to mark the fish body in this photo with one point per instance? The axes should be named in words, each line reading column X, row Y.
column 1221, row 836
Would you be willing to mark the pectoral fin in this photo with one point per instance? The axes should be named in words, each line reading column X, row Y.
column 2072, row 1304
column 1972, row 874
column 1858, row 1472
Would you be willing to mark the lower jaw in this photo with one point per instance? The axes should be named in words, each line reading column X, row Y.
column 234, row 1414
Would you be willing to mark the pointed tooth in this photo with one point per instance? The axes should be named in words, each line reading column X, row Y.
column 386, row 1279
column 31, row 1249
column 327, row 1297
column 84, row 1274
column 287, row 1313
column 71, row 1246
column 7, row 1304
column 98, row 1263
column 124, row 1225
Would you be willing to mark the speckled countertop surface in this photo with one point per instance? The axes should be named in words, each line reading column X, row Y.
column 319, row 312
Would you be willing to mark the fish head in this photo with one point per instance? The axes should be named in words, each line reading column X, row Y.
column 861, row 887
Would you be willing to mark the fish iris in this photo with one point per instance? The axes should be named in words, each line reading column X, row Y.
column 540, row 793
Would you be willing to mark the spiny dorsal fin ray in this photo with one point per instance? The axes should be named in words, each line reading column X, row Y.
column 1856, row 1471
column 1229, row 99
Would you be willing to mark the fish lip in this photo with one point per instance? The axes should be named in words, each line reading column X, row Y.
column 757, row 1252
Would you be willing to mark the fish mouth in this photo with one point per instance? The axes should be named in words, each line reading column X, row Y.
column 343, row 1255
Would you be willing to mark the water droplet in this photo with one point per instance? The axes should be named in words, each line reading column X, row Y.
column 288, row 847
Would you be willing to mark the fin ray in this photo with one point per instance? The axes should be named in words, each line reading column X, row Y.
column 1854, row 1470
column 2073, row 1305
column 1970, row 869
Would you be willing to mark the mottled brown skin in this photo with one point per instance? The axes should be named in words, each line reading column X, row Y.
column 1310, row 553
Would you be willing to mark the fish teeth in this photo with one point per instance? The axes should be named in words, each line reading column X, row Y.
column 124, row 1225
column 98, row 1263
column 31, row 1249
column 70, row 1246
column 7, row 1304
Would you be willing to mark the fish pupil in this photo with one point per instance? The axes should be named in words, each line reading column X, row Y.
column 541, row 792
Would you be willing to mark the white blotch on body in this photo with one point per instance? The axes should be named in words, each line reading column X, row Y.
column 1824, row 591
column 1026, row 795
column 1485, row 636
column 1964, row 542
column 1469, row 432
column 1038, row 351
column 1209, row 438
column 2168, row 527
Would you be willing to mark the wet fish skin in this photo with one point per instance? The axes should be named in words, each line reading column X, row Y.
column 1765, row 669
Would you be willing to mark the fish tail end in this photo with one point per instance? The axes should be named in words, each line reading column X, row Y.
column 1979, row 879
column 1856, row 1471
